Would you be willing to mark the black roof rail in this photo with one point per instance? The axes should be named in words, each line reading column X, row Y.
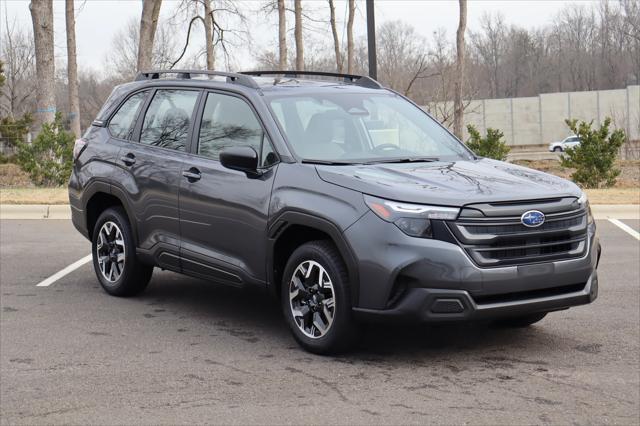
column 232, row 77
column 358, row 80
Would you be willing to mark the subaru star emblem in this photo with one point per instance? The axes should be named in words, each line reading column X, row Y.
column 532, row 218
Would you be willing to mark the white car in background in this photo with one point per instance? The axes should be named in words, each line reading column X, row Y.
column 569, row 142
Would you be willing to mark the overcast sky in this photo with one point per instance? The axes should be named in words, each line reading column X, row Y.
column 97, row 21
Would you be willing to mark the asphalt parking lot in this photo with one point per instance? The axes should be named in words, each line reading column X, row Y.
column 188, row 351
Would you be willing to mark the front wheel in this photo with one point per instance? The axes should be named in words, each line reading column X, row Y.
column 316, row 299
column 114, row 255
column 557, row 149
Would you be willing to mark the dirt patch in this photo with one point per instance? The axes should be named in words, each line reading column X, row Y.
column 626, row 190
column 614, row 196
column 11, row 175
column 629, row 178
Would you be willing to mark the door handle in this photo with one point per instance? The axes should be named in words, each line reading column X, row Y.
column 192, row 174
column 128, row 159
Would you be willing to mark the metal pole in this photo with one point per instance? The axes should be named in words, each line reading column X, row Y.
column 371, row 38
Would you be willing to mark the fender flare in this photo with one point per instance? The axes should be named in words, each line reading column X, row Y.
column 99, row 186
column 290, row 218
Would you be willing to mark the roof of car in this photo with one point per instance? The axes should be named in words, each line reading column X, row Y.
column 276, row 83
column 264, row 80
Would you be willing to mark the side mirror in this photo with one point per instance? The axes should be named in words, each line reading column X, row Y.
column 242, row 158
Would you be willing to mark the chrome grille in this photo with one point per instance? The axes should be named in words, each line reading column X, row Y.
column 497, row 240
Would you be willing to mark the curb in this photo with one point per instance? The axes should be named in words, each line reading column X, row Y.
column 63, row 211
column 35, row 211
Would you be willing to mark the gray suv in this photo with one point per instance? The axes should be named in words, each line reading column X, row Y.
column 340, row 197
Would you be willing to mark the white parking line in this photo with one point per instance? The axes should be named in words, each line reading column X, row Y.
column 55, row 277
column 626, row 228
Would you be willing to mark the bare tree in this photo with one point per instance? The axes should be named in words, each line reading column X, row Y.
column 225, row 26
column 72, row 70
column 148, row 25
column 18, row 52
column 123, row 53
column 282, row 35
column 336, row 39
column 42, row 18
column 208, row 33
column 350, row 47
column 297, row 5
column 402, row 57
column 458, row 110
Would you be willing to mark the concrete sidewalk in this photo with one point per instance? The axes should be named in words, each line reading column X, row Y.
column 43, row 211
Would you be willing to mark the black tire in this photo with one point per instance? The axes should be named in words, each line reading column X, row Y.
column 134, row 276
column 342, row 333
column 557, row 149
column 521, row 321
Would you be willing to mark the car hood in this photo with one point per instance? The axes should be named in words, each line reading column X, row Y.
column 454, row 183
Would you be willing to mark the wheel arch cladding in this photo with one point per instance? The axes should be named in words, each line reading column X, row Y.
column 290, row 231
column 99, row 202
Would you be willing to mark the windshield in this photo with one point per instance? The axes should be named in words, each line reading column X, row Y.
column 360, row 128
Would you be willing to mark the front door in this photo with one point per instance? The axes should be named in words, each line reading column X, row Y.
column 223, row 212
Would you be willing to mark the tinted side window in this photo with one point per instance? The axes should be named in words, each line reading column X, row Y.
column 168, row 118
column 123, row 121
column 229, row 121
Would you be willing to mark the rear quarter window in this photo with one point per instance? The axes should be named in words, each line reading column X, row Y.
column 122, row 123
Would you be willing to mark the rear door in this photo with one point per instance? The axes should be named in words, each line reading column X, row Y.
column 151, row 165
column 223, row 212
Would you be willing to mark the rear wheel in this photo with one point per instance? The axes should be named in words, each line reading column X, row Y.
column 521, row 321
column 316, row 299
column 114, row 255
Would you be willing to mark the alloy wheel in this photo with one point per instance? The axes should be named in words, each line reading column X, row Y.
column 110, row 251
column 312, row 299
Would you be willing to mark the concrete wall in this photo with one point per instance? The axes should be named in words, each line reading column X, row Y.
column 540, row 120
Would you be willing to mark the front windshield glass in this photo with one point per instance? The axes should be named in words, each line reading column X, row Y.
column 358, row 128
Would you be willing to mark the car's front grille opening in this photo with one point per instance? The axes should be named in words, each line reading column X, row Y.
column 525, row 295
column 504, row 240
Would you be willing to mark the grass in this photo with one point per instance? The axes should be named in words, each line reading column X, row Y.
column 614, row 196
column 34, row 196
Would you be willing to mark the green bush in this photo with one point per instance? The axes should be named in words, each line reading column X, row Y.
column 491, row 146
column 594, row 159
column 5, row 159
column 13, row 131
column 48, row 159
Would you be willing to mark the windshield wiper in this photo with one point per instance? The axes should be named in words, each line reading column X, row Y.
column 404, row 160
column 328, row 162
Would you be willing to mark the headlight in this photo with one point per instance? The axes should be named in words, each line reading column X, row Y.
column 583, row 199
column 412, row 219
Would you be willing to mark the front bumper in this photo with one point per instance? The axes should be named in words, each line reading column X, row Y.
column 437, row 305
column 418, row 280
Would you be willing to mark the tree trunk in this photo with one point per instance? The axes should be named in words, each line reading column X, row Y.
column 298, row 35
column 336, row 40
column 42, row 18
column 148, row 25
column 458, row 111
column 208, row 33
column 72, row 70
column 350, row 49
column 282, row 35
